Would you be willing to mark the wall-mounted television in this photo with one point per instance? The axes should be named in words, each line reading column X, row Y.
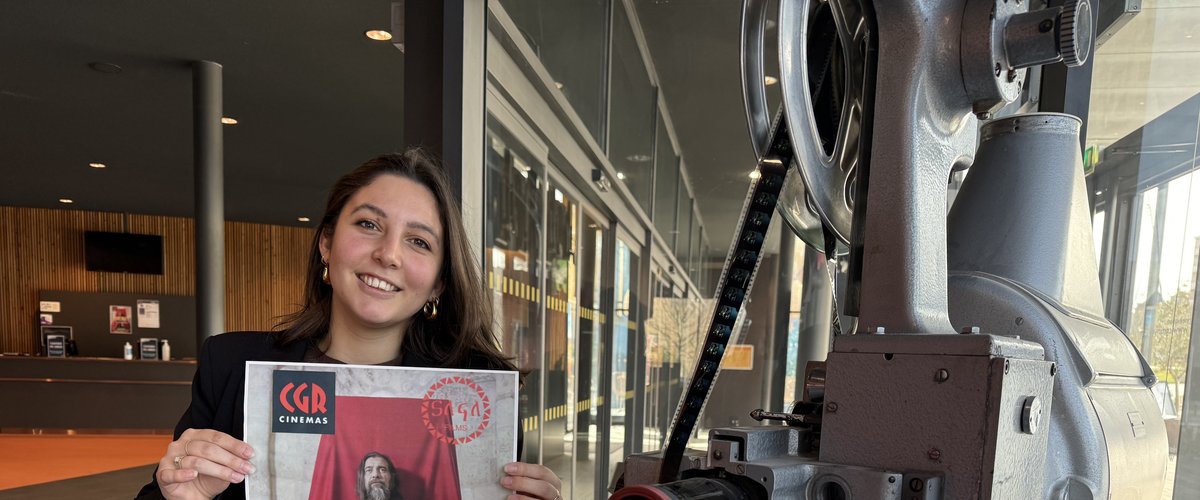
column 123, row 252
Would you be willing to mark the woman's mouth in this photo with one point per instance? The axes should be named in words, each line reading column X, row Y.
column 377, row 283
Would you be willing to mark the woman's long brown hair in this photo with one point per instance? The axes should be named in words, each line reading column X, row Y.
column 462, row 335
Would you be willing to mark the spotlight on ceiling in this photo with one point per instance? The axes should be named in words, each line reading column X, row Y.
column 97, row 165
column 229, row 121
column 303, row 219
column 66, row 201
column 378, row 35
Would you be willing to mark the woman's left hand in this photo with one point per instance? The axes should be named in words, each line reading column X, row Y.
column 531, row 482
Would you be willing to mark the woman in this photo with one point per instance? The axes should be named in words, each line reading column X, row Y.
column 391, row 280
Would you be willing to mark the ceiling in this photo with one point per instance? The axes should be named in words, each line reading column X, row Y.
column 313, row 97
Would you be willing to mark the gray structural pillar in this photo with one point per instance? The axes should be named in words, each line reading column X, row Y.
column 444, row 73
column 209, row 150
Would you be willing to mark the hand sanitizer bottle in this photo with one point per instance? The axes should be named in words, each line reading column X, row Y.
column 166, row 351
column 128, row 351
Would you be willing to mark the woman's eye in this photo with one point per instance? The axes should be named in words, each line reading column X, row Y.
column 367, row 224
column 421, row 243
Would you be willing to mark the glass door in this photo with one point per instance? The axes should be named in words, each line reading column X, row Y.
column 561, row 310
column 625, row 342
column 593, row 323
column 512, row 261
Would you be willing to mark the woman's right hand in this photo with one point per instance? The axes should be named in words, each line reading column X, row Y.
column 202, row 463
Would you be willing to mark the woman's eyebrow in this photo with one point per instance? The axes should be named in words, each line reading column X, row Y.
column 371, row 208
column 423, row 227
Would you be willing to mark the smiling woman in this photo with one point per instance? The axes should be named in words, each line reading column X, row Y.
column 391, row 280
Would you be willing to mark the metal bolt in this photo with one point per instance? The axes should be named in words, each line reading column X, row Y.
column 916, row 484
column 984, row 115
column 1006, row 367
column 831, row 407
column 1020, row 320
column 941, row 375
column 1031, row 415
column 891, row 479
column 1046, row 26
column 717, row 454
column 741, row 469
column 935, row 454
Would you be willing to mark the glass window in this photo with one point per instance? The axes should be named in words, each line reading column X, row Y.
column 570, row 38
column 1141, row 135
column 683, row 229
column 624, row 347
column 666, row 185
column 631, row 146
column 562, row 318
column 695, row 256
column 512, row 260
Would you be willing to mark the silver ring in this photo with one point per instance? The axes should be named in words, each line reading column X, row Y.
column 178, row 461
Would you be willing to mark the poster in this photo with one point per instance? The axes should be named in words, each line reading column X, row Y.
column 324, row 431
column 119, row 320
column 45, row 319
column 147, row 313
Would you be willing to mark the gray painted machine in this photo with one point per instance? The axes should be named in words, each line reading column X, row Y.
column 981, row 365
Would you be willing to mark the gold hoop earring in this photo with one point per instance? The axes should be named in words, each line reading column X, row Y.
column 325, row 274
column 430, row 309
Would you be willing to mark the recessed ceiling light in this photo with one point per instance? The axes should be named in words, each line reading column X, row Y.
column 97, row 165
column 228, row 121
column 754, row 174
column 303, row 219
column 559, row 85
column 1098, row 192
column 66, row 201
column 379, row 35
column 621, row 175
column 770, row 80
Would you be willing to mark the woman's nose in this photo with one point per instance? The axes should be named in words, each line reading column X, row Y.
column 388, row 253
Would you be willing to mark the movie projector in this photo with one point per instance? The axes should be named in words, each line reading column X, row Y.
column 1036, row 395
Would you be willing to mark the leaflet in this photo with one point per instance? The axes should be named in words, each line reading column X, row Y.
column 324, row 431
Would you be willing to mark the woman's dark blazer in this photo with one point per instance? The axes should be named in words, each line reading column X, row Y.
column 218, row 388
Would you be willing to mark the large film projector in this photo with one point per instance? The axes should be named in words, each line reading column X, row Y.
column 981, row 364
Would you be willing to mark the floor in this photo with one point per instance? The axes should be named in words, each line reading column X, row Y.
column 103, row 466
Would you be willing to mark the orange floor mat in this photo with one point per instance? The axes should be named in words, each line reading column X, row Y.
column 27, row 459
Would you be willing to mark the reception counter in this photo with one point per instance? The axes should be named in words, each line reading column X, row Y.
column 92, row 394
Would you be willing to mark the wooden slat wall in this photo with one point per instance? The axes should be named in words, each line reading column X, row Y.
column 42, row 249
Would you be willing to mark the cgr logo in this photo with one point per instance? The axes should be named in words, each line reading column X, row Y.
column 304, row 402
column 299, row 395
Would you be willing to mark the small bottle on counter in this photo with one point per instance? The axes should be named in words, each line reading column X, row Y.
column 128, row 350
column 166, row 351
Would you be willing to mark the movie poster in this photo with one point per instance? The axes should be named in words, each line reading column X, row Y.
column 119, row 320
column 325, row 431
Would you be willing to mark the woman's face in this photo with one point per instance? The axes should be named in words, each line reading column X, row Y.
column 385, row 255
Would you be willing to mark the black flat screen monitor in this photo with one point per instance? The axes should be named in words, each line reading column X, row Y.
column 123, row 252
